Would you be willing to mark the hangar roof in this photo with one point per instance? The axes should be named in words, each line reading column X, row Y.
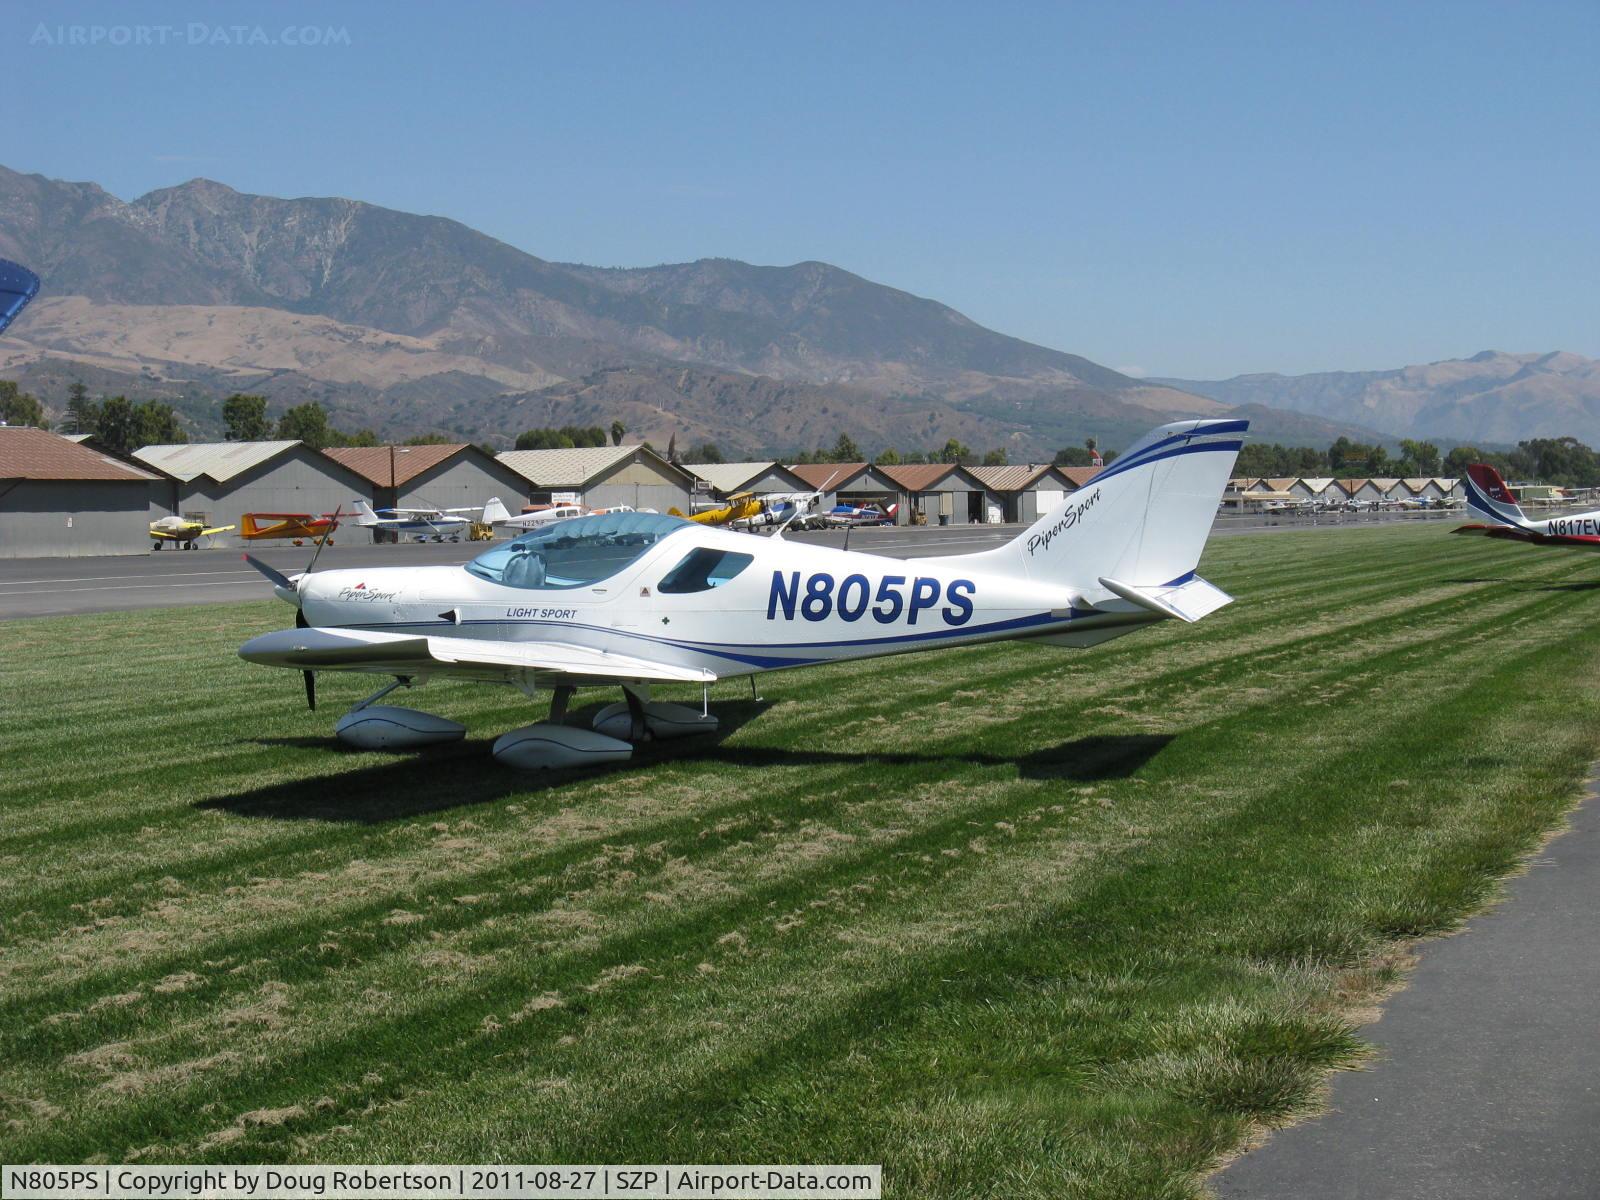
column 1080, row 475
column 576, row 467
column 391, row 466
column 817, row 475
column 1014, row 478
column 730, row 477
column 918, row 477
column 39, row 454
column 218, row 460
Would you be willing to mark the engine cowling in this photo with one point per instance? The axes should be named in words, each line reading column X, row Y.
column 546, row 747
column 386, row 727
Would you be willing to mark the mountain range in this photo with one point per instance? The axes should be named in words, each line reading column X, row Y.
column 1489, row 398
column 410, row 324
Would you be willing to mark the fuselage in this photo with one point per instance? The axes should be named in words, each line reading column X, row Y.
column 727, row 602
column 442, row 523
column 1578, row 525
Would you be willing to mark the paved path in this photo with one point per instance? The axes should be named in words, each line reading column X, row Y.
column 1488, row 1082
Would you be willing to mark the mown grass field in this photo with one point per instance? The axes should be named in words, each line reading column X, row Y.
column 1012, row 921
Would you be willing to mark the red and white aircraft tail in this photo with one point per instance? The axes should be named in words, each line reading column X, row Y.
column 1489, row 497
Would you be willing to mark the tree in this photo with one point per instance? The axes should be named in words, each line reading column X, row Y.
column 1258, row 459
column 618, row 429
column 706, row 452
column 888, row 458
column 244, row 418
column 1073, row 456
column 845, row 450
column 125, row 427
column 83, row 414
column 1563, row 460
column 117, row 427
column 672, row 447
column 157, row 424
column 18, row 407
column 543, row 439
column 995, row 458
column 1418, row 458
column 1462, row 457
column 1347, row 458
column 429, row 439
column 307, row 423
column 954, row 452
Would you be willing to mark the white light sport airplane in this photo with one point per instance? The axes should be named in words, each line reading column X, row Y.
column 1488, row 496
column 423, row 523
column 635, row 599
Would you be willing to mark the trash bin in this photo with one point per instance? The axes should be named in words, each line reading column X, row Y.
column 944, row 518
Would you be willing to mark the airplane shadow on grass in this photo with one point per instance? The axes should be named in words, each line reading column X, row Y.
column 1523, row 585
column 401, row 785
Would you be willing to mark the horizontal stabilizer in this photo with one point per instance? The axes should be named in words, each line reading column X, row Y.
column 1187, row 601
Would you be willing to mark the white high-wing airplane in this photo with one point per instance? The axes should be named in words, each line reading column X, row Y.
column 1488, row 496
column 634, row 599
column 423, row 523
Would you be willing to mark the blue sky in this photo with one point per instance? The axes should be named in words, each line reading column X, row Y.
column 1193, row 189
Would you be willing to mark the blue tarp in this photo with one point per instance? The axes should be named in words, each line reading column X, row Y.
column 18, row 285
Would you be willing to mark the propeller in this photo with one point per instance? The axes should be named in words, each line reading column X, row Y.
column 300, row 622
column 323, row 540
column 777, row 534
column 274, row 576
column 286, row 587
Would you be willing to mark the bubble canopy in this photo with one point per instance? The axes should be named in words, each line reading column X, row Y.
column 577, row 552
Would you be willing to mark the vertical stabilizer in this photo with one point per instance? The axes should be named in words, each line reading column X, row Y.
column 1488, row 496
column 1141, row 523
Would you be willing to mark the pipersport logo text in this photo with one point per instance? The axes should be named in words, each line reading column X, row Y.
column 1074, row 514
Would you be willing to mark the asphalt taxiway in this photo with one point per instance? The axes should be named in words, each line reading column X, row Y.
column 1486, row 1083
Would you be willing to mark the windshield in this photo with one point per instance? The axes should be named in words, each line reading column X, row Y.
column 574, row 553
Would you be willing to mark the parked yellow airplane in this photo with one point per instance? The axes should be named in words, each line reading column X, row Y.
column 182, row 531
column 739, row 508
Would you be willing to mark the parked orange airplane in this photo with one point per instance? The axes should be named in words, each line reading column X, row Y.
column 287, row 525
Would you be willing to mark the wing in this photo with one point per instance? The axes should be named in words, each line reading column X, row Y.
column 215, row 529
column 548, row 663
